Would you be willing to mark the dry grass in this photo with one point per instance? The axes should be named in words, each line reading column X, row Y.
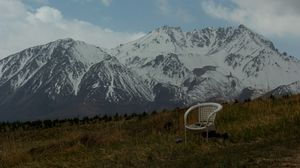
column 262, row 133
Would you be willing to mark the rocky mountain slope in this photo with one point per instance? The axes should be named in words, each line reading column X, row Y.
column 285, row 90
column 237, row 52
column 166, row 68
column 60, row 78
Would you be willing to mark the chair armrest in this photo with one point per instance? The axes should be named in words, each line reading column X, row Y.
column 188, row 111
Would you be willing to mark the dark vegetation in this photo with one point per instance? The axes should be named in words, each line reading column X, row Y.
column 44, row 124
column 260, row 133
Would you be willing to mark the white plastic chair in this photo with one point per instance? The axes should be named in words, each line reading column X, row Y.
column 206, row 118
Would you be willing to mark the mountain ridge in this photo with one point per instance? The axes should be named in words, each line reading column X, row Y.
column 166, row 68
column 238, row 50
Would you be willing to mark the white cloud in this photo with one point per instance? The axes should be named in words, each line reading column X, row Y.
column 106, row 2
column 41, row 2
column 164, row 6
column 47, row 14
column 21, row 28
column 274, row 17
column 180, row 13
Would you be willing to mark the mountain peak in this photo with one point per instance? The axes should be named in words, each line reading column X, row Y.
column 168, row 28
column 68, row 41
column 241, row 26
column 65, row 43
column 64, row 40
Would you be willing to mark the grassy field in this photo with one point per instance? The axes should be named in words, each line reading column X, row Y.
column 262, row 133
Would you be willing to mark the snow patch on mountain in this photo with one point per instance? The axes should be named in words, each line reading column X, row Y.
column 111, row 81
column 213, row 85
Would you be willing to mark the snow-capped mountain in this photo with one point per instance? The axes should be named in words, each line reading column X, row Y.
column 166, row 68
column 66, row 59
column 45, row 76
column 238, row 52
column 39, row 81
column 286, row 90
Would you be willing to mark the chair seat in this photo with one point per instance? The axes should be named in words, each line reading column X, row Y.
column 200, row 126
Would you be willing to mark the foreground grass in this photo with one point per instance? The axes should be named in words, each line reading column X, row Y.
column 262, row 133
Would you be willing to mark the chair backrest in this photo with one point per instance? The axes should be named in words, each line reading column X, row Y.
column 206, row 111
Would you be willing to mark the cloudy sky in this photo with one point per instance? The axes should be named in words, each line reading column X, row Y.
column 107, row 23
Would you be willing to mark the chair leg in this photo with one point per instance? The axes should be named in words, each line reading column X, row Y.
column 206, row 135
column 185, row 135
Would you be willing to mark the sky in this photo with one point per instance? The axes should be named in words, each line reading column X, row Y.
column 108, row 23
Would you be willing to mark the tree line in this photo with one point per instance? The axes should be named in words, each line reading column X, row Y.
column 43, row 124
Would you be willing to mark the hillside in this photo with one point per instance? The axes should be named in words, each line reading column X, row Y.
column 261, row 133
